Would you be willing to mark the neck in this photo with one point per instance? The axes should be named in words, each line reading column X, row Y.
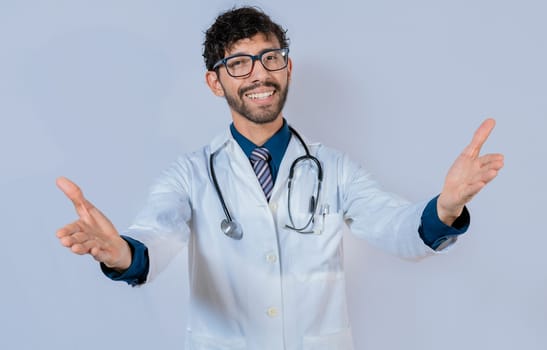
column 257, row 133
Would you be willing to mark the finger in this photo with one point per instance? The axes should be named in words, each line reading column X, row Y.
column 75, row 194
column 67, row 241
column 75, row 238
column 483, row 177
column 81, row 237
column 479, row 138
column 489, row 175
column 91, row 246
column 494, row 161
column 494, row 165
column 69, row 229
column 491, row 157
column 82, row 248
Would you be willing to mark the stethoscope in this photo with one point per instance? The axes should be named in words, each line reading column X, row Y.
column 232, row 228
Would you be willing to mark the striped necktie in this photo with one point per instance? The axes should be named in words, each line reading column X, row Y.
column 259, row 160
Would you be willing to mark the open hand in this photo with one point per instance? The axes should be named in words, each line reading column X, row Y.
column 92, row 233
column 468, row 175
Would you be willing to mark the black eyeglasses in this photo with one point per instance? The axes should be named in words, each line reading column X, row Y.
column 240, row 65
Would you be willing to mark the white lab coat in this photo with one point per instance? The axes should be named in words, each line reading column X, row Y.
column 275, row 288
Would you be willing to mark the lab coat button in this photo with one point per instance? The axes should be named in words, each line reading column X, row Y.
column 273, row 207
column 272, row 312
column 271, row 258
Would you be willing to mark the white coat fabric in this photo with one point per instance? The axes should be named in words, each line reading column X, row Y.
column 275, row 288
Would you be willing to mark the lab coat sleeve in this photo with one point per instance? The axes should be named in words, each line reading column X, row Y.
column 384, row 219
column 162, row 225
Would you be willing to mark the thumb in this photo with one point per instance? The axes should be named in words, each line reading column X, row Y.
column 480, row 137
column 75, row 194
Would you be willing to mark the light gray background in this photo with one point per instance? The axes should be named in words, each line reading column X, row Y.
column 108, row 93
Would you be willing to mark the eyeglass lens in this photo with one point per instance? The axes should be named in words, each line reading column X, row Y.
column 242, row 65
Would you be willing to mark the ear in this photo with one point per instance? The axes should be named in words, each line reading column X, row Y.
column 212, row 79
column 289, row 69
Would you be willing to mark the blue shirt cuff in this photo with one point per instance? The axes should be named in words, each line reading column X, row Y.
column 435, row 233
column 138, row 270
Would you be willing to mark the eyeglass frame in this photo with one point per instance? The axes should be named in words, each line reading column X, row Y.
column 222, row 61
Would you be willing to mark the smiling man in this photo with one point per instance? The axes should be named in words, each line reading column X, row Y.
column 262, row 211
column 264, row 90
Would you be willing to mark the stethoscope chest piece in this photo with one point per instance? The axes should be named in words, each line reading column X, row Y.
column 231, row 229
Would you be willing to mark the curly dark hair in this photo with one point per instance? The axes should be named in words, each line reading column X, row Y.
column 236, row 24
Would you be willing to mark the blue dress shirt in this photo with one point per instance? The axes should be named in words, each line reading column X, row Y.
column 276, row 145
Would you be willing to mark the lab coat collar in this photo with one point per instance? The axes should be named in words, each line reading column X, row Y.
column 294, row 150
column 222, row 140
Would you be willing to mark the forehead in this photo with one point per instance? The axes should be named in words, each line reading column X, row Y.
column 253, row 45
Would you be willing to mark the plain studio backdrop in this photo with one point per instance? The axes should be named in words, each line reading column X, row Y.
column 108, row 93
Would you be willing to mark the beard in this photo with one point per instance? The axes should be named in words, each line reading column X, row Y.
column 264, row 114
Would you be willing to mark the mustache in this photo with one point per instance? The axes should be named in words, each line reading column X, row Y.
column 246, row 89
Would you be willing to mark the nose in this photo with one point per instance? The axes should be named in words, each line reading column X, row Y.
column 258, row 72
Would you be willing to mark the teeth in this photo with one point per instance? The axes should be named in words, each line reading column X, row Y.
column 260, row 95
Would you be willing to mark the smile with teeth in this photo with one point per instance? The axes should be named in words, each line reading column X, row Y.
column 260, row 95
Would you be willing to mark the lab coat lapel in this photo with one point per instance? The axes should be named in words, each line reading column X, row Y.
column 234, row 166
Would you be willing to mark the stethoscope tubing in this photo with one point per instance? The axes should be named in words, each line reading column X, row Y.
column 232, row 229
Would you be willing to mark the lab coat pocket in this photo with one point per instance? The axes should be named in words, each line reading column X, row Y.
column 340, row 340
column 205, row 342
column 328, row 224
column 318, row 256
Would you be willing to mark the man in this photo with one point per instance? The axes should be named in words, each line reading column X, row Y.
column 261, row 211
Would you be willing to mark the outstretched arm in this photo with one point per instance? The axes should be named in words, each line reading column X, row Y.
column 468, row 175
column 92, row 233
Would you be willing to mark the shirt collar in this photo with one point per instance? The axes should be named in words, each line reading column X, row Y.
column 277, row 144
